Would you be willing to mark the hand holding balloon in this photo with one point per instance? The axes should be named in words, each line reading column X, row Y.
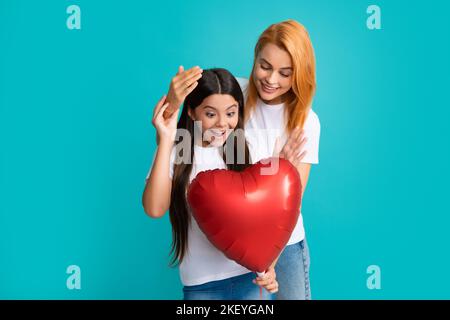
column 267, row 280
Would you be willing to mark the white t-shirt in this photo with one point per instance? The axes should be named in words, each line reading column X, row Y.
column 203, row 262
column 265, row 131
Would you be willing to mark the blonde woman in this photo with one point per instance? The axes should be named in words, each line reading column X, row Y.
column 278, row 112
column 279, row 96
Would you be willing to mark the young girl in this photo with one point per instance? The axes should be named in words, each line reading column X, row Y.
column 217, row 103
column 278, row 96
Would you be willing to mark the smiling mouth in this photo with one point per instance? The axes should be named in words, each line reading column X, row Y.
column 218, row 133
column 268, row 89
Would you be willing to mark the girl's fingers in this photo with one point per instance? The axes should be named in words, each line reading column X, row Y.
column 272, row 287
column 180, row 70
column 159, row 105
column 174, row 115
column 264, row 281
column 161, row 111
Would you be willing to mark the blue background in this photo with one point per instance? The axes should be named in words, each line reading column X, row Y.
column 77, row 141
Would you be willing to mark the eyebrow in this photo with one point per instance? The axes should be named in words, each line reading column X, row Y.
column 265, row 61
column 234, row 105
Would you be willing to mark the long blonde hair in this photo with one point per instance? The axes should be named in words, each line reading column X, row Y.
column 292, row 37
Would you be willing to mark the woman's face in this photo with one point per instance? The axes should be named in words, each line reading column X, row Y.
column 219, row 115
column 273, row 74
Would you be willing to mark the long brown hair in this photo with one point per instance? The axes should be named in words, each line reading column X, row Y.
column 213, row 81
column 292, row 37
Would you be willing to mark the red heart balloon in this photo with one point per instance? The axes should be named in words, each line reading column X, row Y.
column 248, row 215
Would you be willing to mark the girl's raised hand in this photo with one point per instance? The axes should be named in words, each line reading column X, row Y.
column 166, row 128
column 181, row 85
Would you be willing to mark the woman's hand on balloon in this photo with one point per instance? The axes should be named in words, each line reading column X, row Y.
column 166, row 128
column 268, row 280
column 181, row 85
column 293, row 149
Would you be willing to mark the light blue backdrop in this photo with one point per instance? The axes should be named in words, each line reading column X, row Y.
column 77, row 141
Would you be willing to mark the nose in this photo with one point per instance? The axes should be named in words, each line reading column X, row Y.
column 222, row 122
column 272, row 78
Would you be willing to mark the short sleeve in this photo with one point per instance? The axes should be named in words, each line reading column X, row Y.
column 312, row 133
column 171, row 163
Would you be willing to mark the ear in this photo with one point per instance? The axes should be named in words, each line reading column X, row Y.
column 190, row 114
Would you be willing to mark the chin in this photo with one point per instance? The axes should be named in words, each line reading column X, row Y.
column 216, row 143
column 266, row 96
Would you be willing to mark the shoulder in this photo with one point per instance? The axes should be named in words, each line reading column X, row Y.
column 243, row 82
column 312, row 122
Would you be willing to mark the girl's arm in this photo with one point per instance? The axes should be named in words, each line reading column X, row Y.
column 156, row 197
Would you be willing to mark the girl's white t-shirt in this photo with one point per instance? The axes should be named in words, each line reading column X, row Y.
column 203, row 262
column 265, row 133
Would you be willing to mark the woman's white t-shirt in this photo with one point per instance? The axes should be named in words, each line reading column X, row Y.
column 265, row 133
column 203, row 262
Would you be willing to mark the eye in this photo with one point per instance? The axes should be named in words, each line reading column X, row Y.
column 210, row 114
column 265, row 67
column 284, row 75
column 231, row 114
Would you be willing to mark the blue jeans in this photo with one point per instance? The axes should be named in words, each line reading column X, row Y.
column 292, row 271
column 234, row 288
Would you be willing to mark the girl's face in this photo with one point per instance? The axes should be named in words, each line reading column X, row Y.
column 219, row 115
column 272, row 73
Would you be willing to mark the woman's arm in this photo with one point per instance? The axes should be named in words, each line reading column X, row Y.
column 293, row 151
column 181, row 85
column 156, row 196
column 269, row 280
column 303, row 170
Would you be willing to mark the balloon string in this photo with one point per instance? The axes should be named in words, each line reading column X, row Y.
column 260, row 289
